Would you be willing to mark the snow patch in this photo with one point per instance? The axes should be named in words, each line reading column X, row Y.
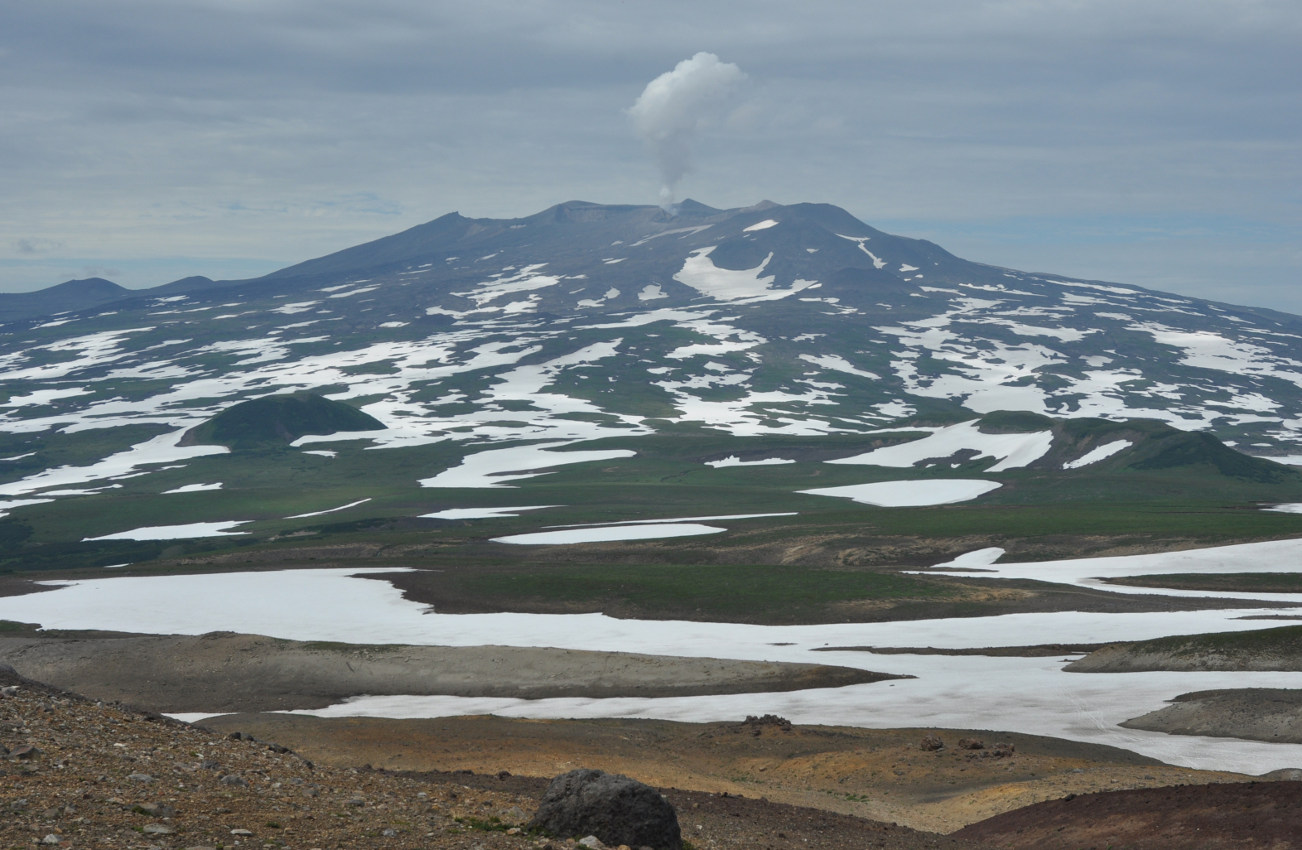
column 1011, row 450
column 193, row 488
column 733, row 460
column 744, row 286
column 1098, row 453
column 909, row 494
column 609, row 534
column 175, row 532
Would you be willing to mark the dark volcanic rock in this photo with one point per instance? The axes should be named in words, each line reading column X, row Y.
column 616, row 809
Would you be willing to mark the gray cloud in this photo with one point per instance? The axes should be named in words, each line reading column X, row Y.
column 37, row 246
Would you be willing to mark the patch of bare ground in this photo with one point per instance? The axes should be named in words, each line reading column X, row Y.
column 77, row 773
column 967, row 597
column 799, row 547
column 1257, row 714
column 225, row 672
column 884, row 775
column 1264, row 815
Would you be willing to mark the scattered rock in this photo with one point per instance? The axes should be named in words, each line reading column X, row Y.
column 235, row 780
column 931, row 743
column 757, row 724
column 140, row 777
column 971, row 744
column 155, row 810
column 613, row 808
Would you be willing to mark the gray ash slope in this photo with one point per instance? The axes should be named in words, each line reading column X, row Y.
column 587, row 320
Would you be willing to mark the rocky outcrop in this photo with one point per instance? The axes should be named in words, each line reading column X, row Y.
column 616, row 809
column 1257, row 714
column 1275, row 649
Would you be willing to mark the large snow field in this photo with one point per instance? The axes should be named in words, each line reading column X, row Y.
column 977, row 692
column 748, row 286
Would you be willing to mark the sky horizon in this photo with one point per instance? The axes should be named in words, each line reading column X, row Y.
column 1143, row 142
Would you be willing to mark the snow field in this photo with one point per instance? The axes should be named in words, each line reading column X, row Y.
column 982, row 692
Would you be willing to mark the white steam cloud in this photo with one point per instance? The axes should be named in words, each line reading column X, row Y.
column 675, row 106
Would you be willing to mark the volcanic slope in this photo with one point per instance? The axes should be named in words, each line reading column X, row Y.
column 488, row 349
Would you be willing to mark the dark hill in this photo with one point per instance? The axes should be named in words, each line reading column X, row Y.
column 69, row 296
column 1154, row 447
column 278, row 420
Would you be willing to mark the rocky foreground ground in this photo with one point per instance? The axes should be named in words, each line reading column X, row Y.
column 77, row 773
column 81, row 773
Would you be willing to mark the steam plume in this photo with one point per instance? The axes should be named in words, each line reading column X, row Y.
column 674, row 106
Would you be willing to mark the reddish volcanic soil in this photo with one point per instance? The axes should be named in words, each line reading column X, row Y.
column 1266, row 815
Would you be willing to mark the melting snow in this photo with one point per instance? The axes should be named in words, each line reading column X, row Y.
column 859, row 240
column 490, row 468
column 483, row 513
column 330, row 510
column 1031, row 695
column 838, row 364
column 39, row 397
column 610, row 533
column 193, row 488
column 1011, row 450
column 1098, row 453
column 176, row 532
column 745, row 286
column 907, row 494
column 763, row 225
column 733, row 460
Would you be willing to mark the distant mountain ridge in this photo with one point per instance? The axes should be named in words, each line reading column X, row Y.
column 764, row 319
column 629, row 362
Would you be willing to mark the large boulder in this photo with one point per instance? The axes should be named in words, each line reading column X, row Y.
column 616, row 809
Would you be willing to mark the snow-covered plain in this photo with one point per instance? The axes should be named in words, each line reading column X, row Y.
column 983, row 692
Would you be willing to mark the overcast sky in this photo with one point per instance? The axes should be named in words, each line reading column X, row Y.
column 1155, row 142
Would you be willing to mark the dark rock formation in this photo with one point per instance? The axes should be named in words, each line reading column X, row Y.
column 616, row 809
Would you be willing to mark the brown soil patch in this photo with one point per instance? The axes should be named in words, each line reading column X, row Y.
column 1258, row 714
column 80, row 774
column 1209, row 817
column 878, row 774
column 224, row 672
